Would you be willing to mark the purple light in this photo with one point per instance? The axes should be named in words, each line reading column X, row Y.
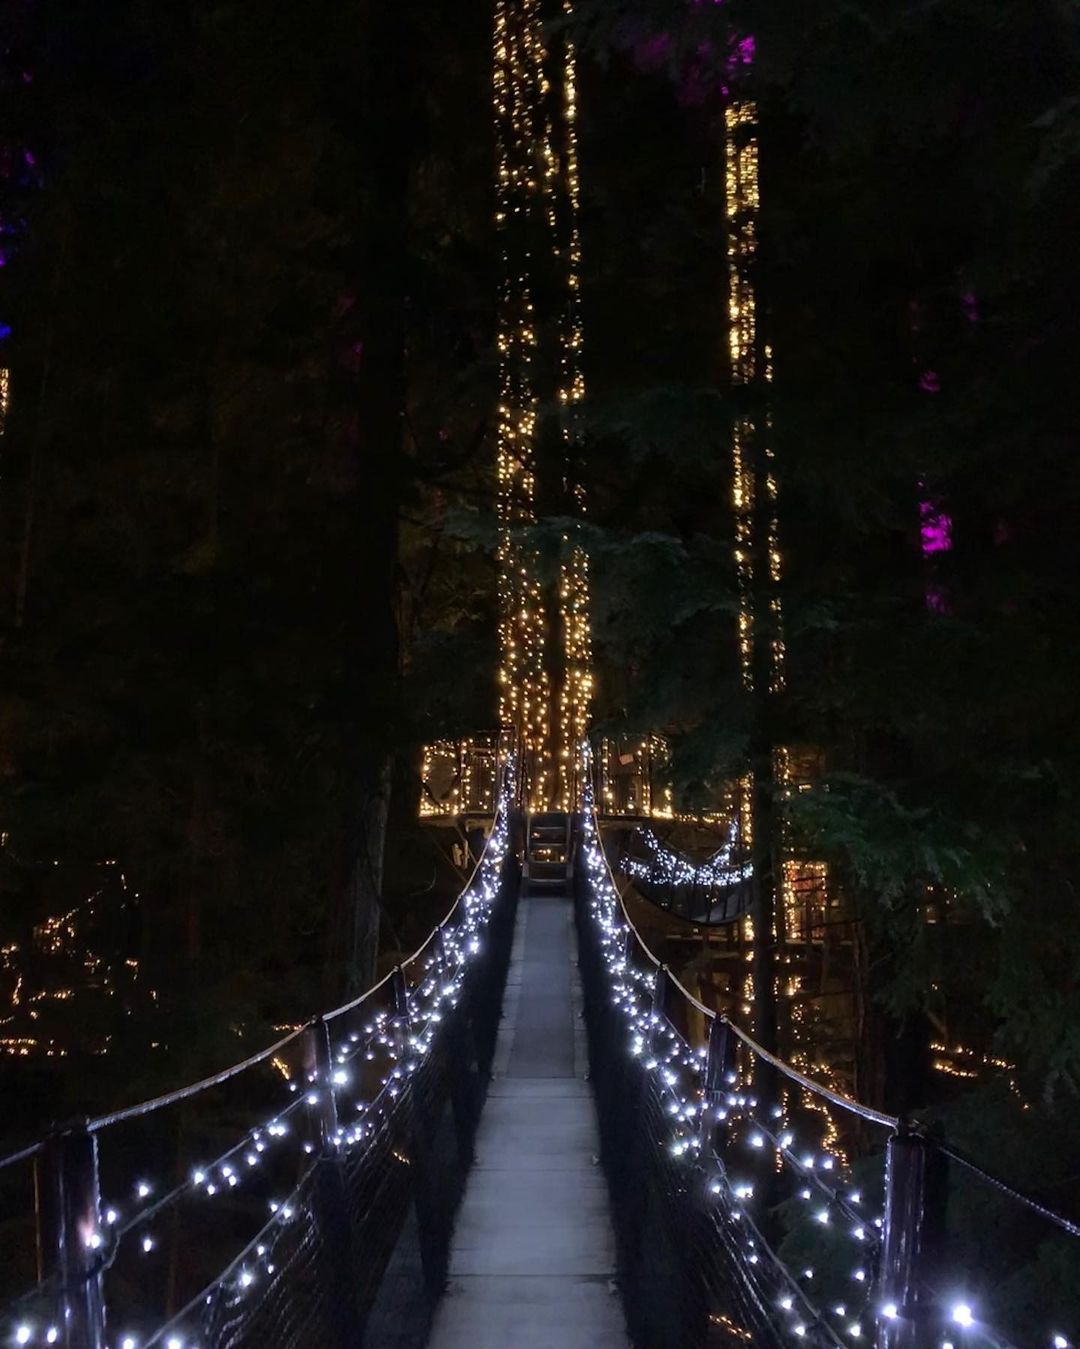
column 929, row 382
column 935, row 529
column 699, row 82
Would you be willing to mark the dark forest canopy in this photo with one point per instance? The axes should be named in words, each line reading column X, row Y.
column 919, row 179
column 212, row 464
column 247, row 472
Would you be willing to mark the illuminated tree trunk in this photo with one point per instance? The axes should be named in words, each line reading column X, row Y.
column 757, row 556
column 545, row 673
column 764, row 855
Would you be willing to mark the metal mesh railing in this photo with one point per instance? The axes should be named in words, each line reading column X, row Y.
column 693, row 1267
column 325, row 1224
column 754, row 1204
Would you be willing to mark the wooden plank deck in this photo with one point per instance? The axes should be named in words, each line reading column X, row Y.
column 533, row 1259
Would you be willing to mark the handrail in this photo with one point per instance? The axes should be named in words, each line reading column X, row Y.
column 819, row 1088
column 347, row 1007
column 216, row 1079
column 642, row 943
column 182, row 1093
column 24, row 1154
column 448, row 959
column 1058, row 1219
column 836, row 1097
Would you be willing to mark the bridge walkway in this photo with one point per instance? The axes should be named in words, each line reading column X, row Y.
column 533, row 1258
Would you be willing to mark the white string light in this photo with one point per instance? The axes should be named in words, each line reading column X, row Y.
column 677, row 1071
column 667, row 868
column 677, row 1068
column 444, row 966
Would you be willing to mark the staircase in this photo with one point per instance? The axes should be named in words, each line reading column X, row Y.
column 548, row 862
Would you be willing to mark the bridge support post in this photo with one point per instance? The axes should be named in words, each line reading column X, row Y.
column 908, row 1318
column 433, row 1246
column 660, row 1002
column 71, row 1229
column 322, row 1104
column 329, row 1201
column 719, row 1077
column 463, row 1069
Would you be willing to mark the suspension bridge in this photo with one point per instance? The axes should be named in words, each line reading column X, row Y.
column 527, row 1134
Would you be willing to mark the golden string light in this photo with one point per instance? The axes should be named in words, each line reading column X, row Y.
column 524, row 690
column 538, row 194
column 750, row 364
column 472, row 764
column 576, row 692
column 754, row 481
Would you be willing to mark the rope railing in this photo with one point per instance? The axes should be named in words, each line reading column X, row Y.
column 193, row 1089
column 327, row 1221
column 262, row 1055
column 23, row 1155
column 694, row 1257
column 729, row 1220
column 759, row 1052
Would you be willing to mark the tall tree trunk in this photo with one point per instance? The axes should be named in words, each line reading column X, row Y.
column 893, row 1056
column 365, row 887
column 765, row 675
column 387, row 129
column 765, row 834
column 37, row 435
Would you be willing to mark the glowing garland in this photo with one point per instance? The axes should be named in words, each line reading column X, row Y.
column 524, row 691
column 667, row 868
column 466, row 755
column 650, row 754
column 677, row 1071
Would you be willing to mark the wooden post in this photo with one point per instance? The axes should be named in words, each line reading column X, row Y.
column 328, row 1197
column 433, row 1247
column 719, row 1068
column 322, row 1104
column 402, row 1012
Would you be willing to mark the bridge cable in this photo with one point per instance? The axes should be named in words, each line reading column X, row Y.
column 1058, row 1219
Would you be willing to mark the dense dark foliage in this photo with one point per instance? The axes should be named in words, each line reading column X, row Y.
column 918, row 164
column 246, row 269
